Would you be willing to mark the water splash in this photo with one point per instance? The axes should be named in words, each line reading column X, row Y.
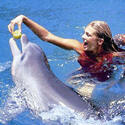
column 4, row 66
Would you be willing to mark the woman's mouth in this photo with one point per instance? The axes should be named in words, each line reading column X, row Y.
column 85, row 44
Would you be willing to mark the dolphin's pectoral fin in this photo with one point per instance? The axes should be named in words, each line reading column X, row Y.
column 14, row 48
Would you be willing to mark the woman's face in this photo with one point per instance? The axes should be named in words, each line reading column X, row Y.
column 90, row 40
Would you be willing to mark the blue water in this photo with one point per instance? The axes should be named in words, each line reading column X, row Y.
column 65, row 18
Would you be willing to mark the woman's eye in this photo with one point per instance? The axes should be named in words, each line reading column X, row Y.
column 88, row 34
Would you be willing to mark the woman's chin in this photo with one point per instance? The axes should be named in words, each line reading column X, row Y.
column 85, row 48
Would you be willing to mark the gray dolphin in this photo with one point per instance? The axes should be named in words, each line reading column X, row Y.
column 31, row 68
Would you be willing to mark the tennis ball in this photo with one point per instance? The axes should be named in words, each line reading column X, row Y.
column 16, row 34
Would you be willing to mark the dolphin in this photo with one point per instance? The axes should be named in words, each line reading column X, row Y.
column 31, row 69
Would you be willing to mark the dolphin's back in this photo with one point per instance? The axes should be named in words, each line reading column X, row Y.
column 50, row 86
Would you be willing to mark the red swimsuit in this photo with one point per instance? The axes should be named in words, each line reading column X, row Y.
column 98, row 69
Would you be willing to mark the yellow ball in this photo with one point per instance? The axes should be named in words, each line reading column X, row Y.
column 16, row 34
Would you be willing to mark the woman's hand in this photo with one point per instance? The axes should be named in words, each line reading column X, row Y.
column 18, row 20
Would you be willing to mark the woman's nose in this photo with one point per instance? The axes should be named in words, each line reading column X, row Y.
column 83, row 36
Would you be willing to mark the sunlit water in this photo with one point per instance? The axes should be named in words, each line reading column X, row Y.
column 65, row 18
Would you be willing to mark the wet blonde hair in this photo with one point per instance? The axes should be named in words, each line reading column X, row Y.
column 103, row 31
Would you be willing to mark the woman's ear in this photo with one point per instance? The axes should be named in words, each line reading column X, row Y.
column 100, row 41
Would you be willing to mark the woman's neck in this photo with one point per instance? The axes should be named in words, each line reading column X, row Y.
column 96, row 53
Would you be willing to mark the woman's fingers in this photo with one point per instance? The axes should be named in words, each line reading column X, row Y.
column 19, row 27
column 11, row 27
column 18, row 20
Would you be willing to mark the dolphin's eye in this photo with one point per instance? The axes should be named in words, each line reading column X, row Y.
column 22, row 57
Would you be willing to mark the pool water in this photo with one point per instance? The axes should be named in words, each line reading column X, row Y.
column 65, row 18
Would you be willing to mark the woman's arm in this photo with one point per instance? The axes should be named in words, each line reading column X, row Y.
column 45, row 35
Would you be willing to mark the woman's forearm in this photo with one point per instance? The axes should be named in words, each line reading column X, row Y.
column 44, row 34
column 40, row 31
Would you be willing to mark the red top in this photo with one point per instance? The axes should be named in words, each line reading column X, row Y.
column 100, row 68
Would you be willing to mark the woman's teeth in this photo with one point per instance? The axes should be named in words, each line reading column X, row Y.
column 85, row 42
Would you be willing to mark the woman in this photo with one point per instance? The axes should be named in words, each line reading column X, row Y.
column 97, row 48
